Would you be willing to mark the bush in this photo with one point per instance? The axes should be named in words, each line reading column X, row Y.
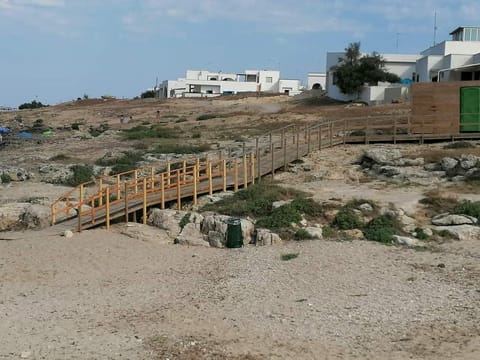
column 289, row 256
column 96, row 131
column 346, row 219
column 148, row 94
column 81, row 174
column 75, row 126
column 196, row 135
column 210, row 116
column 128, row 161
column 142, row 132
column 5, row 178
column 459, row 145
column 182, row 119
column 467, row 207
column 380, row 229
column 59, row 157
column 302, row 234
column 184, row 221
column 420, row 234
column 32, row 105
column 281, row 217
column 328, row 232
column 307, row 206
column 181, row 149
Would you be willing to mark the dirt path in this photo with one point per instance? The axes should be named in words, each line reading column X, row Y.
column 106, row 296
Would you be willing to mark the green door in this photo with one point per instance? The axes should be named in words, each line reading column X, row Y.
column 469, row 109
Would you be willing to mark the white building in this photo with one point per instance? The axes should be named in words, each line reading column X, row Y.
column 457, row 59
column 205, row 83
column 399, row 64
column 316, row 81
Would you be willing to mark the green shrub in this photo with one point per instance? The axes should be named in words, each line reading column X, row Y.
column 96, row 131
column 307, row 206
column 59, row 157
column 128, row 161
column 303, row 234
column 184, row 221
column 420, row 234
column 346, row 219
column 459, row 145
column 289, row 256
column 328, row 232
column 182, row 119
column 467, row 207
column 5, row 178
column 32, row 105
column 142, row 132
column 196, row 135
column 81, row 174
column 210, row 116
column 75, row 126
column 281, row 217
column 167, row 116
column 380, row 229
column 111, row 198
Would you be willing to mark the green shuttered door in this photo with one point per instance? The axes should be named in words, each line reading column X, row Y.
column 469, row 109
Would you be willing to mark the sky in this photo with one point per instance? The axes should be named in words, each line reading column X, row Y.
column 58, row 50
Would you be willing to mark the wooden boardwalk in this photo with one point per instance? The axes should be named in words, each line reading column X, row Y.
column 124, row 195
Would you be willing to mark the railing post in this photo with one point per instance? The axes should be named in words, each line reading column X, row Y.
column 184, row 168
column 243, row 148
column 344, row 131
column 152, row 176
column 126, row 201
column 245, row 172
column 235, row 175
column 100, row 188
column 195, row 180
column 135, row 180
column 179, row 192
column 331, row 134
column 168, row 173
column 107, row 208
column 272, row 149
column 54, row 214
column 395, row 130
column 210, row 180
column 197, row 163
column 118, row 187
column 252, row 167
column 224, row 174
column 283, row 136
column 144, row 193
column 308, row 140
column 162, row 191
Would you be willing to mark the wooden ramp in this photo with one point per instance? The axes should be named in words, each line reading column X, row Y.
column 124, row 195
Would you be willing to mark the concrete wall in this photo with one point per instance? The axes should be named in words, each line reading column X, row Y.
column 316, row 78
column 290, row 86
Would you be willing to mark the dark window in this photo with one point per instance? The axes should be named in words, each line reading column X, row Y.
column 466, row 76
column 477, row 75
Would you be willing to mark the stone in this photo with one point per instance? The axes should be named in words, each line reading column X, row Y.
column 365, row 208
column 315, row 232
column 277, row 204
column 354, row 234
column 409, row 162
column 407, row 223
column 408, row 241
column 432, row 167
column 25, row 354
column 468, row 161
column 21, row 216
column 15, row 173
column 448, row 163
column 447, row 219
column 55, row 173
column 473, row 174
column 216, row 239
column 461, row 232
column 68, row 234
column 191, row 236
column 145, row 233
column 381, row 156
column 266, row 237
column 167, row 219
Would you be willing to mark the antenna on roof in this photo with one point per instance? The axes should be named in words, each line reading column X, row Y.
column 435, row 28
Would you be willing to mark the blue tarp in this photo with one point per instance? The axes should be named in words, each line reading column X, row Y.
column 24, row 135
column 4, row 130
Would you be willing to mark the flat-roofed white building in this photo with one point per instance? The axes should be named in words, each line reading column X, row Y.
column 203, row 83
column 316, row 81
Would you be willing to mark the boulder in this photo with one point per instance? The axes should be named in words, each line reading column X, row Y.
column 389, row 171
column 15, row 173
column 461, row 232
column 473, row 174
column 191, row 236
column 354, row 234
column 448, row 163
column 266, row 237
column 315, row 232
column 409, row 162
column 218, row 223
column 365, row 208
column 468, row 162
column 447, row 219
column 169, row 220
column 407, row 223
column 408, row 241
column 19, row 216
column 381, row 156
column 145, row 233
column 55, row 173
column 216, row 239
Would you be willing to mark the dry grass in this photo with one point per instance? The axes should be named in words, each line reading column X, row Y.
column 438, row 201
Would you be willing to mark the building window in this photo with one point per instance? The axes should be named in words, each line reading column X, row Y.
column 269, row 79
column 466, row 76
column 334, row 78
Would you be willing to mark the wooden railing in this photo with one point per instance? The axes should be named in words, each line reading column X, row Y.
column 99, row 201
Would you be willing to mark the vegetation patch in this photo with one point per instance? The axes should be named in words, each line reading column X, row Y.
column 420, row 234
column 184, row 221
column 459, row 145
column 211, row 116
column 437, row 203
column 81, row 174
column 289, row 256
column 59, row 157
column 381, row 229
column 98, row 130
column 5, row 178
column 128, row 161
column 347, row 219
column 148, row 132
column 467, row 207
column 181, row 149
column 303, row 234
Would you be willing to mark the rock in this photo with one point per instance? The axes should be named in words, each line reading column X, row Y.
column 453, row 219
column 145, row 233
column 409, row 162
column 468, row 162
column 216, row 239
column 306, row 167
column 20, row 216
column 433, row 167
column 25, row 354
column 215, row 223
column 365, row 208
column 473, row 174
column 277, row 204
column 381, row 156
column 407, row 223
column 55, row 173
column 427, row 231
column 15, row 173
column 315, row 232
column 448, row 163
column 461, row 232
column 404, row 240
column 248, row 228
column 354, row 234
column 68, row 234
column 191, row 236
column 167, row 219
column 389, row 171
column 266, row 237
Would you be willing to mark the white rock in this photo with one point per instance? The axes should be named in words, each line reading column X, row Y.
column 68, row 234
column 453, row 219
column 266, row 237
column 448, row 163
column 315, row 232
column 365, row 208
column 191, row 236
column 404, row 240
column 461, row 232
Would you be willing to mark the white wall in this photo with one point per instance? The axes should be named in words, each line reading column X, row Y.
column 293, row 87
column 316, row 78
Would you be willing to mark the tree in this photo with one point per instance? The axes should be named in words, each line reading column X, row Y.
column 148, row 94
column 355, row 70
column 32, row 105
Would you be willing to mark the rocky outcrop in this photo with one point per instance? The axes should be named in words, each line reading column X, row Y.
column 191, row 235
column 55, row 173
column 461, row 232
column 15, row 173
column 407, row 241
column 314, row 232
column 447, row 219
column 20, row 216
column 266, row 237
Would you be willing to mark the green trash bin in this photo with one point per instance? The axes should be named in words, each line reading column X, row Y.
column 234, row 233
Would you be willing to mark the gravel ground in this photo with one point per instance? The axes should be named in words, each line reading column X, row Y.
column 102, row 295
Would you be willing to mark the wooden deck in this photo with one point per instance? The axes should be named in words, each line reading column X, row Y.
column 124, row 195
